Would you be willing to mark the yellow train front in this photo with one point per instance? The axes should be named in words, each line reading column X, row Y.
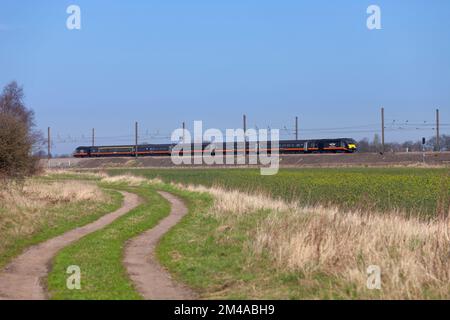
column 341, row 145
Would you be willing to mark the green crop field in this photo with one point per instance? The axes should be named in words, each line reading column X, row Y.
column 417, row 191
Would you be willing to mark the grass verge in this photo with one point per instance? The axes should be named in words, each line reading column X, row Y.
column 40, row 210
column 198, row 252
column 242, row 246
column 215, row 258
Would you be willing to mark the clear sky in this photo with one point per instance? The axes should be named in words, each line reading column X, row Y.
column 164, row 62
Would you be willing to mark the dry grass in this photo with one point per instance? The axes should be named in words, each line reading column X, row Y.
column 129, row 180
column 72, row 191
column 49, row 173
column 29, row 208
column 236, row 203
column 36, row 194
column 414, row 255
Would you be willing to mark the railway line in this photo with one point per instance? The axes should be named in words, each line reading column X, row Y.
column 286, row 160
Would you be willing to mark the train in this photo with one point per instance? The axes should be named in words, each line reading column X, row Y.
column 341, row 145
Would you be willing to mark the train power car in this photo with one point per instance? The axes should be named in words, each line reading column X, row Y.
column 342, row 145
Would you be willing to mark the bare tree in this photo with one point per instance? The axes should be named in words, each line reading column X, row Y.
column 444, row 142
column 18, row 137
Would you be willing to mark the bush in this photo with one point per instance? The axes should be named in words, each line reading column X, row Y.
column 18, row 137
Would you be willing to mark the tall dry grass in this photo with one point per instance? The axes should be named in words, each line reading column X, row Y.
column 413, row 254
column 51, row 173
column 125, row 179
column 28, row 208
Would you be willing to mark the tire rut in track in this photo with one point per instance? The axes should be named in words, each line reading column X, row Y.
column 151, row 280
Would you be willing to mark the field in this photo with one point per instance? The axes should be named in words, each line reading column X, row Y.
column 252, row 247
column 415, row 191
column 310, row 234
column 301, row 234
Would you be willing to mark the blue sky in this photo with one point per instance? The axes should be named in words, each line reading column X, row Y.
column 164, row 62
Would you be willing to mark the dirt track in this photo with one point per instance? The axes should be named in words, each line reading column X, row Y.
column 22, row 278
column 150, row 279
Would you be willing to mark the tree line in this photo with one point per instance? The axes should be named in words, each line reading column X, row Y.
column 365, row 145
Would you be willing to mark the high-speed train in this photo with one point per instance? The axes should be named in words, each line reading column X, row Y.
column 341, row 145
